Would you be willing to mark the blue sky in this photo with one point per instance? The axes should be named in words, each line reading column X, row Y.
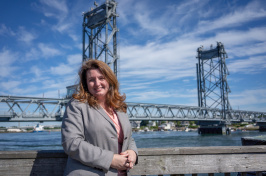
column 41, row 48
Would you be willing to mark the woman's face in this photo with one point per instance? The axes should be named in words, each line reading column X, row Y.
column 97, row 84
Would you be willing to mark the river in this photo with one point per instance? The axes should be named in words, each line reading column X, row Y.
column 153, row 139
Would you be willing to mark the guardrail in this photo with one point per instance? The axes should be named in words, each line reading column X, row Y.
column 152, row 161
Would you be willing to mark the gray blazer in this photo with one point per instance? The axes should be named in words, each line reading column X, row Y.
column 89, row 138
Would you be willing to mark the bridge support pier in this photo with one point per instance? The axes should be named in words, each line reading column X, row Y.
column 213, row 128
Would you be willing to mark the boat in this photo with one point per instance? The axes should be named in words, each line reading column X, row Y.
column 187, row 129
column 146, row 129
column 38, row 128
column 254, row 140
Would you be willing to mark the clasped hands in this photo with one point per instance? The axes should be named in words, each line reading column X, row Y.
column 124, row 160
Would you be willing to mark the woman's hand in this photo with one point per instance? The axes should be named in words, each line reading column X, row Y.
column 126, row 160
column 131, row 159
column 119, row 162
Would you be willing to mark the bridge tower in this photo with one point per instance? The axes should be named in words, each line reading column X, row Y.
column 100, row 34
column 212, row 72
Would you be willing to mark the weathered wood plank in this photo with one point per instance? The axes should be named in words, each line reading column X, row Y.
column 203, row 150
column 188, row 164
column 158, row 161
column 33, row 154
column 42, row 166
column 145, row 151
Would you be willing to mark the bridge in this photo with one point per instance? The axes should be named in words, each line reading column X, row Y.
column 26, row 109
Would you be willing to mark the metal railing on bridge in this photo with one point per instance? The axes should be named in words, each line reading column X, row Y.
column 141, row 111
column 17, row 109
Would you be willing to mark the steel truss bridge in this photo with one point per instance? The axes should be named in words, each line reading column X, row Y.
column 19, row 109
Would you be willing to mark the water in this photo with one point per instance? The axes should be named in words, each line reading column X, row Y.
column 30, row 141
column 156, row 139
column 189, row 139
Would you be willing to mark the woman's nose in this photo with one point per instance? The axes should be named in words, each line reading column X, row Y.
column 97, row 82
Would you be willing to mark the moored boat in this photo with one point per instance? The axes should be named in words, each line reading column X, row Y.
column 38, row 128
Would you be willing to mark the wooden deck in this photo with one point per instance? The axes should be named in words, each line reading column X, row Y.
column 152, row 161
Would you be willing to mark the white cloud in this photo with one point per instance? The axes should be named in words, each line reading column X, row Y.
column 254, row 64
column 54, row 8
column 6, row 31
column 36, row 71
column 148, row 24
column 71, row 67
column 22, row 34
column 249, row 98
column 177, row 59
column 25, row 36
column 48, row 51
column 62, row 27
column 9, row 85
column 145, row 20
column 137, row 84
column 42, row 51
column 164, row 61
column 33, row 54
column 62, row 69
column 244, row 38
column 7, row 59
column 147, row 95
column 239, row 17
column 59, row 93
column 74, row 59
column 66, row 20
column 75, row 37
column 247, row 50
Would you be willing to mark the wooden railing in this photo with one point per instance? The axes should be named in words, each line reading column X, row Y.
column 152, row 161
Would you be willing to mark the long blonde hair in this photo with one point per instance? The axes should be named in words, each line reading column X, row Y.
column 113, row 97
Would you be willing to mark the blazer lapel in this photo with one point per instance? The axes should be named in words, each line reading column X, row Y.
column 122, row 120
column 103, row 113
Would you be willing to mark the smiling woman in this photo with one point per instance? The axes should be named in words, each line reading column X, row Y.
column 96, row 133
column 97, row 84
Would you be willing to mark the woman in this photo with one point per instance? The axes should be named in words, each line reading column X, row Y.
column 96, row 133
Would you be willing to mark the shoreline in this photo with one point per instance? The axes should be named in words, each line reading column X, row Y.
column 233, row 129
column 30, row 131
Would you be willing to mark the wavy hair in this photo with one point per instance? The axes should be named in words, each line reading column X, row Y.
column 113, row 97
